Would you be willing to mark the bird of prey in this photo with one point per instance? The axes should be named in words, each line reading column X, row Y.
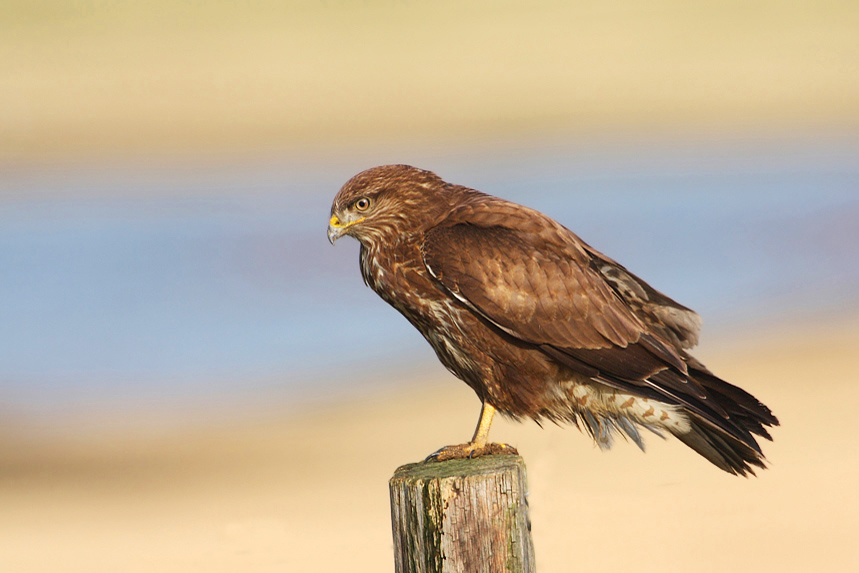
column 537, row 322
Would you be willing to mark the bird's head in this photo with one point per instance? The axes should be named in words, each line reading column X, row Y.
column 383, row 202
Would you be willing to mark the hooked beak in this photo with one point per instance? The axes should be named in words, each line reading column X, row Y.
column 336, row 227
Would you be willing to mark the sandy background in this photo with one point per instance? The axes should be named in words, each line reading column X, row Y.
column 308, row 492
column 281, row 489
column 84, row 79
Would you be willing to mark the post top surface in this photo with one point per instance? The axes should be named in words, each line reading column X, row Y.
column 460, row 468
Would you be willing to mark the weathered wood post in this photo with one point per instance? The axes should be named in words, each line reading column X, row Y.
column 462, row 516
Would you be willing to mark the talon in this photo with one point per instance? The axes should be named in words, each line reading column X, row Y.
column 470, row 451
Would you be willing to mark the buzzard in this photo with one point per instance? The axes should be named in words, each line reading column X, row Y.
column 537, row 322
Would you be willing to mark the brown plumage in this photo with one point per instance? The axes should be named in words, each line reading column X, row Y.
column 538, row 323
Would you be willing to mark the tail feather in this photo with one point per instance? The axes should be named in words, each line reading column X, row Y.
column 740, row 404
column 728, row 443
column 723, row 419
column 722, row 449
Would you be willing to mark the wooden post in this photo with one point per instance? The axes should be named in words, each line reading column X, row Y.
column 462, row 516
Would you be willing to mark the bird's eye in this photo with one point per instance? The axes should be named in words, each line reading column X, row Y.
column 362, row 204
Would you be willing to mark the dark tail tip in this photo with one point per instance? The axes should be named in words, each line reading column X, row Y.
column 721, row 448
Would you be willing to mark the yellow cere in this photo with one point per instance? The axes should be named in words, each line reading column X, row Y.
column 335, row 222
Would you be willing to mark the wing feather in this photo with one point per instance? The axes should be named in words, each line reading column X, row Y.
column 535, row 293
column 550, row 295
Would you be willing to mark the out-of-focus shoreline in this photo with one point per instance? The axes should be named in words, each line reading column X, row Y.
column 108, row 423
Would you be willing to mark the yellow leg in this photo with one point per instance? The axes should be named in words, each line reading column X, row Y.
column 481, row 432
column 478, row 445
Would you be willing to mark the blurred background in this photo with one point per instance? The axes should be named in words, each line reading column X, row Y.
column 192, row 378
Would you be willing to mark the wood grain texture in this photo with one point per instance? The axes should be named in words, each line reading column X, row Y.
column 462, row 516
